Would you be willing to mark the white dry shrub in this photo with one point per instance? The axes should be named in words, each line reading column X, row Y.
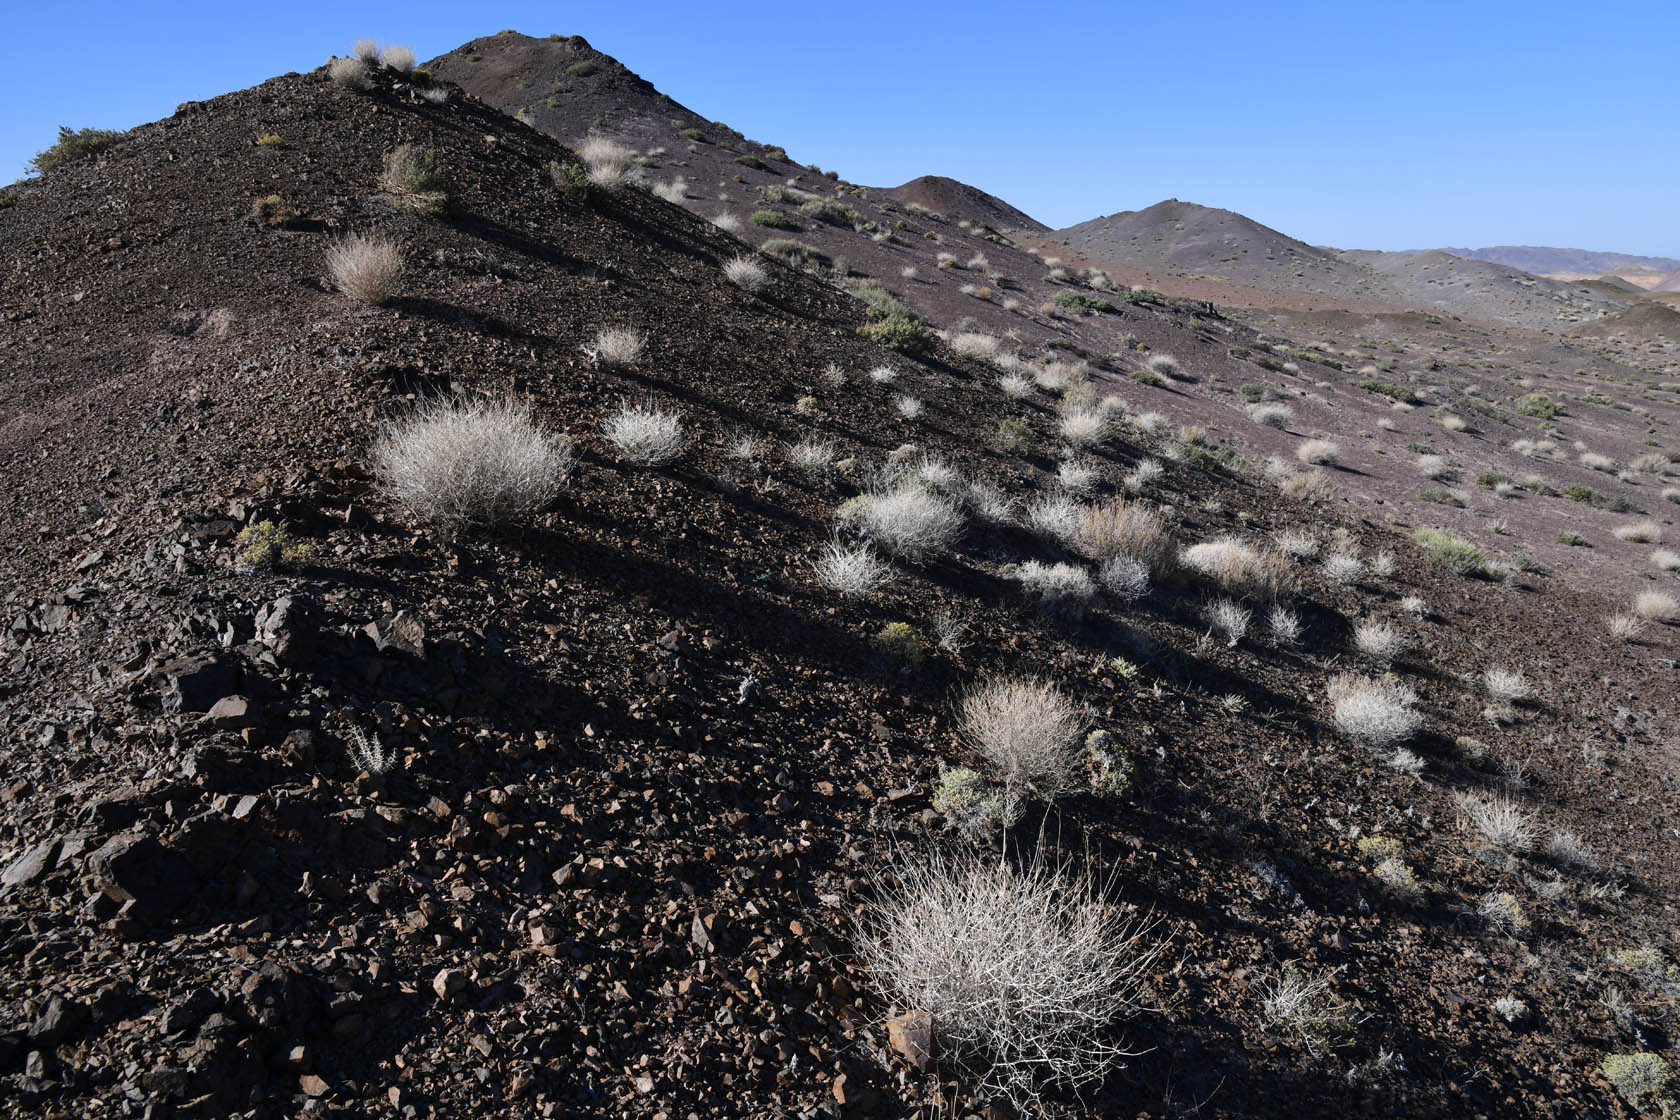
column 936, row 474
column 1503, row 911
column 351, row 73
column 1656, row 606
column 1084, row 427
column 1056, row 517
column 1453, row 422
column 883, row 375
column 1318, row 452
column 975, row 344
column 674, row 191
column 745, row 447
column 1343, row 568
column 1149, row 423
column 1016, row 386
column 1023, row 974
column 1593, row 461
column 746, row 273
column 908, row 407
column 1076, row 477
column 1502, row 822
column 1379, row 641
column 908, row 521
column 728, row 222
column 1229, row 620
column 645, row 435
column 1145, row 472
column 1415, row 607
column 1240, row 568
column 1434, row 467
column 1624, row 627
column 1407, row 763
column 811, row 456
column 1027, row 730
column 365, row 50
column 1163, row 364
column 616, row 347
column 1061, row 587
column 1121, row 528
column 609, row 163
column 908, row 272
column 365, row 268
column 1507, row 686
column 1298, row 543
column 397, row 57
column 1671, row 494
column 1383, row 565
column 477, row 463
column 1640, row 532
column 434, row 95
column 1285, row 625
column 1665, row 560
column 989, row 504
column 1125, row 578
column 852, row 570
column 1305, row 1006
column 1376, row 714
column 1272, row 415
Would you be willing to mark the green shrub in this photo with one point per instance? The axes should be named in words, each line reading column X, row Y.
column 1015, row 436
column 749, row 160
column 969, row 804
column 1441, row 497
column 1398, row 392
column 582, row 69
column 412, row 176
column 1452, row 552
column 572, row 181
column 1146, row 377
column 1573, row 540
column 271, row 140
column 1139, row 295
column 1644, row 1080
column 830, row 211
column 773, row 219
column 1487, row 480
column 776, row 152
column 1069, row 300
column 273, row 211
column 694, row 134
column 1253, row 392
column 870, row 291
column 1579, row 492
column 899, row 641
column 265, row 546
column 902, row 331
column 1267, row 362
column 796, row 253
column 73, row 145
column 1537, row 404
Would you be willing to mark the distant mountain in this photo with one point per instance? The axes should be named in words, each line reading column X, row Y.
column 1669, row 283
column 1192, row 241
column 948, row 196
column 1542, row 260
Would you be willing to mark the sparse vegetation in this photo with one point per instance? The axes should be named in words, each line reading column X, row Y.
column 365, row 268
column 265, row 546
column 1452, row 552
column 645, row 435
column 1374, row 713
column 746, row 274
column 477, row 463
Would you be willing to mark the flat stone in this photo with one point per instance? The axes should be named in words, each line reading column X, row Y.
column 231, row 713
column 31, row 865
column 911, row 1034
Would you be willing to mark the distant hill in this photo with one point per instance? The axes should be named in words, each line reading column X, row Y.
column 1542, row 260
column 1669, row 283
column 948, row 196
column 1646, row 322
column 1188, row 240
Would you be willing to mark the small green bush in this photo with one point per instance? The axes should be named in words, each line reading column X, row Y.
column 1644, row 1080
column 73, row 145
column 1015, row 436
column 1487, row 480
column 265, row 546
column 1069, row 300
column 582, row 69
column 1537, row 404
column 773, row 219
column 1452, row 552
column 273, row 211
column 1398, row 392
column 776, row 152
column 1146, row 377
column 571, row 179
column 796, row 253
column 830, row 211
column 412, row 176
column 970, row 804
column 1573, row 540
column 899, row 640
column 901, row 331
column 694, row 134
column 1441, row 497
column 752, row 161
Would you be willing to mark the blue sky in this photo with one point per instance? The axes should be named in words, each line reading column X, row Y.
column 1354, row 124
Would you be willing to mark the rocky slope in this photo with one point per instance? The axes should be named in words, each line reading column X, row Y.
column 637, row 774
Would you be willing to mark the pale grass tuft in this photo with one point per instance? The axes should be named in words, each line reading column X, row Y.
column 1240, row 568
column 746, row 273
column 811, row 456
column 1502, row 822
column 1122, row 528
column 1507, row 686
column 1318, row 452
column 1656, row 606
column 1624, row 627
column 1016, row 386
column 908, row 521
column 851, row 570
column 610, row 164
column 615, row 347
column 1285, row 625
column 1229, row 620
column 1665, row 560
column 1084, row 427
column 1640, row 532
column 478, row 463
column 397, row 57
column 1377, row 714
column 646, row 435
column 1379, row 641
column 1022, row 974
column 1343, row 568
column 1060, row 587
column 365, row 268
column 1058, row 518
column 351, row 73
column 1027, row 730
column 1125, row 578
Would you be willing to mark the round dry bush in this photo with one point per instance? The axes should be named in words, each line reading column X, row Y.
column 477, row 463
column 365, row 268
column 1377, row 714
column 1065, row 588
column 1121, row 528
column 909, row 522
column 1507, row 686
column 1125, row 578
column 365, row 50
column 397, row 57
column 1318, row 452
column 609, row 163
column 1656, row 606
column 1055, row 517
column 1084, row 427
column 1271, row 415
column 351, row 73
column 1027, row 730
column 1379, row 641
column 616, row 347
column 1022, row 975
column 645, row 435
column 746, row 273
column 851, row 570
column 1241, row 569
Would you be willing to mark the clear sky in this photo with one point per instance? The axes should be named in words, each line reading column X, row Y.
column 1354, row 123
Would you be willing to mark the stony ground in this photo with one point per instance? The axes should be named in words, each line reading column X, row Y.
column 648, row 772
